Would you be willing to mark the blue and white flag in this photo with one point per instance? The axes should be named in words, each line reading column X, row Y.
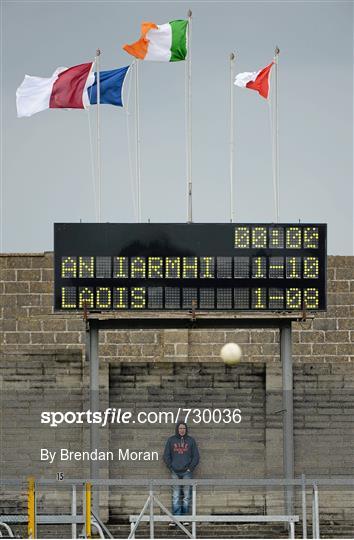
column 111, row 85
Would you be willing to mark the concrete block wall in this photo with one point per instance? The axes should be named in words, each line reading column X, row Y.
column 323, row 353
column 27, row 322
column 30, row 384
column 225, row 449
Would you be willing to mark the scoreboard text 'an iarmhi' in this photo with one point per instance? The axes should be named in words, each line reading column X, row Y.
column 219, row 266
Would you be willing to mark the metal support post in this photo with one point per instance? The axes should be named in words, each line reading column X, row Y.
column 151, row 512
column 304, row 511
column 175, row 519
column 288, row 415
column 135, row 525
column 317, row 510
column 32, row 528
column 83, row 499
column 88, row 510
column 73, row 512
column 94, row 407
column 194, row 510
column 132, row 530
column 313, row 516
column 8, row 530
column 315, row 513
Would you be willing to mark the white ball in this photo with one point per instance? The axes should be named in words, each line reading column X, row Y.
column 231, row 353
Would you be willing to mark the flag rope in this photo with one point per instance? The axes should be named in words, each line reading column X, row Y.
column 273, row 159
column 137, row 142
column 92, row 159
column 189, row 120
column 232, row 137
column 130, row 152
column 99, row 168
column 273, row 118
column 276, row 59
column 92, row 166
column 186, row 102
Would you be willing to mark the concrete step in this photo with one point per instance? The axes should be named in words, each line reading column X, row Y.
column 229, row 530
column 214, row 530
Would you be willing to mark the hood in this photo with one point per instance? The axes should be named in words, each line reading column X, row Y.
column 181, row 424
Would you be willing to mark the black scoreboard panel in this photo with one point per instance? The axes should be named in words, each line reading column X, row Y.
column 214, row 266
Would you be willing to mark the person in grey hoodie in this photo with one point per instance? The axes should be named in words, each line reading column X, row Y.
column 181, row 456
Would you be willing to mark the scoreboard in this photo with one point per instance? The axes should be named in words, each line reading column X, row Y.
column 214, row 266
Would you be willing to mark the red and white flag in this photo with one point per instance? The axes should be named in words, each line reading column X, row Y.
column 65, row 89
column 257, row 80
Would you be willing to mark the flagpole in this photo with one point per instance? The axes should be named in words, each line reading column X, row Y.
column 137, row 131
column 98, row 53
column 232, row 74
column 276, row 132
column 189, row 120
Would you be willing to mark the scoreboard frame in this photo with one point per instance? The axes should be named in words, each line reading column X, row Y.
column 102, row 265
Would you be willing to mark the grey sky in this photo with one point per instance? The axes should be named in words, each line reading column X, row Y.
column 46, row 164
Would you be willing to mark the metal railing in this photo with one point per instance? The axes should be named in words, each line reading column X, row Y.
column 88, row 520
column 9, row 533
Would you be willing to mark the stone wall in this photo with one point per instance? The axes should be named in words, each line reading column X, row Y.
column 225, row 449
column 30, row 384
column 40, row 349
column 28, row 323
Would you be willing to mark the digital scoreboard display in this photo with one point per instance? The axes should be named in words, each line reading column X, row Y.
column 214, row 266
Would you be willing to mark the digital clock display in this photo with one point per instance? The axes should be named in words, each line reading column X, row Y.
column 219, row 266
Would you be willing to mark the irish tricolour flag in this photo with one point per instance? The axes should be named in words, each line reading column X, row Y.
column 161, row 42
